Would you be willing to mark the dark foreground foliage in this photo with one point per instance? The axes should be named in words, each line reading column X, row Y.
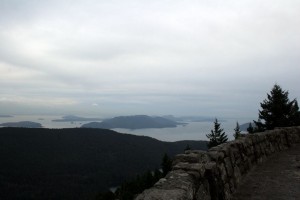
column 75, row 163
column 130, row 189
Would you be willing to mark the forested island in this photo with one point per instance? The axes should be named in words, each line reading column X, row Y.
column 74, row 118
column 134, row 122
column 22, row 124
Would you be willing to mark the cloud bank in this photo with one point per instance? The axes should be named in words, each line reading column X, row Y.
column 192, row 57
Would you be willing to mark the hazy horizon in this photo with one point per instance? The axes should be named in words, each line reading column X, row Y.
column 110, row 58
column 192, row 130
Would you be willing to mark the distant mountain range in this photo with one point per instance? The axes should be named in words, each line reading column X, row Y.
column 23, row 124
column 133, row 122
column 75, row 163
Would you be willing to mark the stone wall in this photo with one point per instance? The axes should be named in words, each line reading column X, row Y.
column 212, row 175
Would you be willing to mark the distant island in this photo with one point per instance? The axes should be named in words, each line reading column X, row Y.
column 6, row 116
column 22, row 124
column 134, row 122
column 73, row 118
column 244, row 126
column 192, row 118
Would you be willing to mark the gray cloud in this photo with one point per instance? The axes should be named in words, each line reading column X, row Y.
column 159, row 57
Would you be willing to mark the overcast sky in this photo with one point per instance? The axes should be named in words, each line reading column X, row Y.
column 183, row 57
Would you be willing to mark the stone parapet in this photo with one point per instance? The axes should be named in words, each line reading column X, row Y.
column 217, row 173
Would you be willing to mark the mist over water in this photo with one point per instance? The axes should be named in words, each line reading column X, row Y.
column 190, row 131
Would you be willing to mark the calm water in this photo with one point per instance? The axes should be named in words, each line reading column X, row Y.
column 45, row 120
column 191, row 131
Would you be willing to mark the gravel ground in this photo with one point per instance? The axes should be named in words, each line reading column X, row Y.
column 278, row 178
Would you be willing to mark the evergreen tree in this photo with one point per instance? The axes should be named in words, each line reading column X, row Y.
column 187, row 147
column 278, row 110
column 259, row 126
column 129, row 189
column 237, row 131
column 157, row 175
column 217, row 135
column 295, row 115
column 166, row 164
column 250, row 128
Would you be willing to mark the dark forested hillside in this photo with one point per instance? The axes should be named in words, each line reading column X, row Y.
column 75, row 163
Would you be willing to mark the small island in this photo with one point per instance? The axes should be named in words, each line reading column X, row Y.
column 22, row 124
column 74, row 118
column 5, row 116
column 243, row 127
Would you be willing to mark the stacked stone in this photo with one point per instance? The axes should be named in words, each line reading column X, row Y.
column 216, row 174
column 232, row 160
column 186, row 181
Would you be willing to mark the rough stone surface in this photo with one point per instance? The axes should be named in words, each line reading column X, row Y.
column 278, row 178
column 221, row 172
column 160, row 194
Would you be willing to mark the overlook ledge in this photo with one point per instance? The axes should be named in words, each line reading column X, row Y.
column 224, row 171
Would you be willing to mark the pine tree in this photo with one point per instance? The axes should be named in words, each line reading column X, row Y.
column 217, row 135
column 187, row 148
column 295, row 115
column 278, row 110
column 250, row 128
column 259, row 126
column 237, row 131
column 166, row 164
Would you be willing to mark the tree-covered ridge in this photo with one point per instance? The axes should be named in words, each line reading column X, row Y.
column 75, row 163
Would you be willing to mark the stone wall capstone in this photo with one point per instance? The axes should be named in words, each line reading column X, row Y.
column 216, row 174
